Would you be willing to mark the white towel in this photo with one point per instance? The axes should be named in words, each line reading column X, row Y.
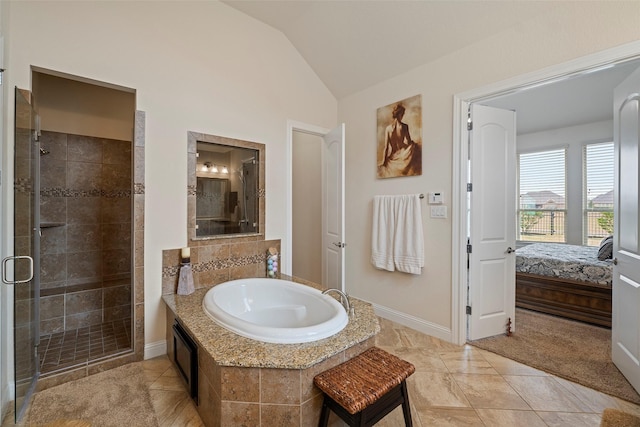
column 397, row 238
column 382, row 234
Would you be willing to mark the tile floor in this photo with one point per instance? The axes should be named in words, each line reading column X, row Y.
column 452, row 386
column 62, row 350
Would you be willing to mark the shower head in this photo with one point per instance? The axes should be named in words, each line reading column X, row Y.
column 43, row 152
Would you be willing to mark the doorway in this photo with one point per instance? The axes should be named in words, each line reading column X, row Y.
column 306, row 255
column 327, row 195
column 522, row 85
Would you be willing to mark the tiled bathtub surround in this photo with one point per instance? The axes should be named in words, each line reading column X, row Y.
column 86, row 211
column 217, row 261
column 246, row 382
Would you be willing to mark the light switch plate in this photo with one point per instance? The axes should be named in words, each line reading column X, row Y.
column 438, row 211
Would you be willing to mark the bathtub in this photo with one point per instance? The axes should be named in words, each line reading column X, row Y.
column 274, row 310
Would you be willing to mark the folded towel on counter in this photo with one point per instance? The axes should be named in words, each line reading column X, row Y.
column 397, row 237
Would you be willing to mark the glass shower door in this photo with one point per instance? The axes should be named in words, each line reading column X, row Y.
column 26, row 252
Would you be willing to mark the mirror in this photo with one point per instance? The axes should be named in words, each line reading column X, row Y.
column 226, row 187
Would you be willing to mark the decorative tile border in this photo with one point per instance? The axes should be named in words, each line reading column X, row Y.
column 217, row 264
column 68, row 192
column 23, row 185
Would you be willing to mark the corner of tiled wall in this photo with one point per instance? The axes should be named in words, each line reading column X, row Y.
column 138, row 233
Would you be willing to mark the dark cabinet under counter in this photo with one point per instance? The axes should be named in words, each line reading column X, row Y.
column 185, row 356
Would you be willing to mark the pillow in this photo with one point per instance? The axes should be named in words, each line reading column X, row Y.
column 605, row 251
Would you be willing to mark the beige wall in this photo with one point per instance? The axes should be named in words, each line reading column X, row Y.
column 306, row 254
column 195, row 66
column 574, row 30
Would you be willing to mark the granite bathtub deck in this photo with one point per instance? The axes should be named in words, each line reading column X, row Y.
column 230, row 349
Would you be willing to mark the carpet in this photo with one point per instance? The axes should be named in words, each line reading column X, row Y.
column 572, row 350
column 117, row 397
column 615, row 418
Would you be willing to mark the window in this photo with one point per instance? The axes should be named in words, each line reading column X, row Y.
column 597, row 192
column 541, row 189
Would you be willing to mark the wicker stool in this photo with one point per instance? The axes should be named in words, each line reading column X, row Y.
column 364, row 389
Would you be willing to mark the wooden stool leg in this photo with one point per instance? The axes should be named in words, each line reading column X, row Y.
column 406, row 409
column 324, row 414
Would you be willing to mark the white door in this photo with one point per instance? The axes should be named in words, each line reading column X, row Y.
column 493, row 222
column 333, row 244
column 625, row 330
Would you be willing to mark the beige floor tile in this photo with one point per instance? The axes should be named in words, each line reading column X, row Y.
column 562, row 419
column 449, row 417
column 396, row 418
column 435, row 389
column 489, row 391
column 188, row 416
column 507, row 418
column 546, row 394
column 169, row 380
column 506, row 366
column 389, row 335
column 423, row 360
column 595, row 400
column 468, row 360
column 426, row 342
column 154, row 368
column 169, row 406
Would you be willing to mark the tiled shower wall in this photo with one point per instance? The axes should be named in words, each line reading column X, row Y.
column 86, row 210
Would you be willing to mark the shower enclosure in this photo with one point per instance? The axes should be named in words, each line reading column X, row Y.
column 25, row 260
column 74, row 227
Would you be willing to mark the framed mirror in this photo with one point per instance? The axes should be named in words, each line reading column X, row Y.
column 226, row 187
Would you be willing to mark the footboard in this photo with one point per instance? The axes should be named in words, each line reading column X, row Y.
column 587, row 302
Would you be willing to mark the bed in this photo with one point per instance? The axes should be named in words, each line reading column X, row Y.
column 564, row 280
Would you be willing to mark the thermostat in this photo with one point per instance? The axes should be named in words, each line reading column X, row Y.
column 436, row 198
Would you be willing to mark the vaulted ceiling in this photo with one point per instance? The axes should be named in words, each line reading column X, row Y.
column 355, row 44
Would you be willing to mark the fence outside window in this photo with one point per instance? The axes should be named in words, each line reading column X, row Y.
column 598, row 225
column 542, row 225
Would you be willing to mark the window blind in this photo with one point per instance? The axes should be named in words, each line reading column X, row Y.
column 598, row 175
column 542, row 178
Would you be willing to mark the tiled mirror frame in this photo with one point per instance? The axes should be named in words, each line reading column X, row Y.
column 137, row 279
column 192, row 147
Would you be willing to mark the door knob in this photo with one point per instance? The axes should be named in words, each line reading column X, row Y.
column 339, row 244
column 510, row 250
column 615, row 261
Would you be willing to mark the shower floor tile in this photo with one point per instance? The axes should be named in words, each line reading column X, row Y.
column 62, row 350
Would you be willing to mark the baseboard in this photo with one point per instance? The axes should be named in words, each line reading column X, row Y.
column 413, row 322
column 155, row 349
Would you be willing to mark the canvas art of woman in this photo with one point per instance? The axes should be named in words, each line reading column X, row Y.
column 401, row 155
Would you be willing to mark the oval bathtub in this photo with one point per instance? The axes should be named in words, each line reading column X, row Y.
column 274, row 310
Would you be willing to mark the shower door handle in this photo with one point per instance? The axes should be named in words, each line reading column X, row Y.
column 4, row 269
